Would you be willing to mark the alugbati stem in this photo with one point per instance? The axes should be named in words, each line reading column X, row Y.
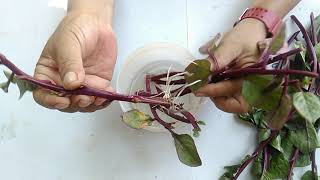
column 81, row 91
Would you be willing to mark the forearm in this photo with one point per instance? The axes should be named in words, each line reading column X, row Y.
column 281, row 7
column 103, row 8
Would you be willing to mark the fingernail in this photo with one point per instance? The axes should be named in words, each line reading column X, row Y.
column 83, row 103
column 200, row 95
column 70, row 77
column 61, row 106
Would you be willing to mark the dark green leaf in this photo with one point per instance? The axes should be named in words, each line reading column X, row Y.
column 136, row 119
column 279, row 167
column 276, row 143
column 278, row 40
column 230, row 172
column 186, row 150
column 302, row 55
column 198, row 70
column 257, row 167
column 303, row 160
column 266, row 176
column 288, row 150
column 305, row 139
column 196, row 133
column 201, row 123
column 278, row 117
column 307, row 104
column 253, row 92
column 309, row 176
column 263, row 134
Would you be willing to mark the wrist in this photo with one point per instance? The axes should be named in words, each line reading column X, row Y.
column 102, row 9
column 254, row 25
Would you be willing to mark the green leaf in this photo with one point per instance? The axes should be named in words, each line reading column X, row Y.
column 308, row 105
column 278, row 40
column 279, row 166
column 196, row 133
column 274, row 84
column 266, row 176
column 317, row 49
column 288, row 150
column 276, row 143
column 25, row 86
column 253, row 92
column 257, row 168
column 230, row 171
column 303, row 160
column 309, row 176
column 186, row 150
column 202, row 123
column 263, row 134
column 198, row 70
column 302, row 55
column 4, row 86
column 305, row 139
column 136, row 119
column 277, row 118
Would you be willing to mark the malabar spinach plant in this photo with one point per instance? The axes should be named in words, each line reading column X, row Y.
column 282, row 88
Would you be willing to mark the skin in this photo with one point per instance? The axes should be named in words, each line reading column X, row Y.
column 82, row 51
column 240, row 45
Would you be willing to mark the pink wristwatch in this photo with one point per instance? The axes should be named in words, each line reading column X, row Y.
column 270, row 19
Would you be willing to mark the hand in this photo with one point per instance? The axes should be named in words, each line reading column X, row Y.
column 82, row 51
column 240, row 45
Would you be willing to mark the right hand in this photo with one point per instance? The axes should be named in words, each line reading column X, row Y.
column 82, row 51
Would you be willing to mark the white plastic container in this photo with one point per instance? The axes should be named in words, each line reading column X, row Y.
column 154, row 59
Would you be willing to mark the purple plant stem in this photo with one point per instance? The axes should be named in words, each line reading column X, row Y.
column 285, row 55
column 192, row 119
column 174, row 82
column 154, row 111
column 174, row 115
column 265, row 159
column 260, row 148
column 187, row 115
column 313, row 30
column 293, row 161
column 260, row 71
column 311, row 52
column 293, row 37
column 160, row 76
column 81, row 91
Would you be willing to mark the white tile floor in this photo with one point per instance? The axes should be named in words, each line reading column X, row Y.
column 38, row 144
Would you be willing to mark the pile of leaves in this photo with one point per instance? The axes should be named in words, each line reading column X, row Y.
column 282, row 88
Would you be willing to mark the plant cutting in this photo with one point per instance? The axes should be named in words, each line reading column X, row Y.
column 282, row 88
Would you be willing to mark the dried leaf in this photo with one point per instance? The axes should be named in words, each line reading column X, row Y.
column 136, row 119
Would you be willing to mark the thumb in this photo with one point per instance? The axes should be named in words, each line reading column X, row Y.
column 69, row 60
column 225, row 54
